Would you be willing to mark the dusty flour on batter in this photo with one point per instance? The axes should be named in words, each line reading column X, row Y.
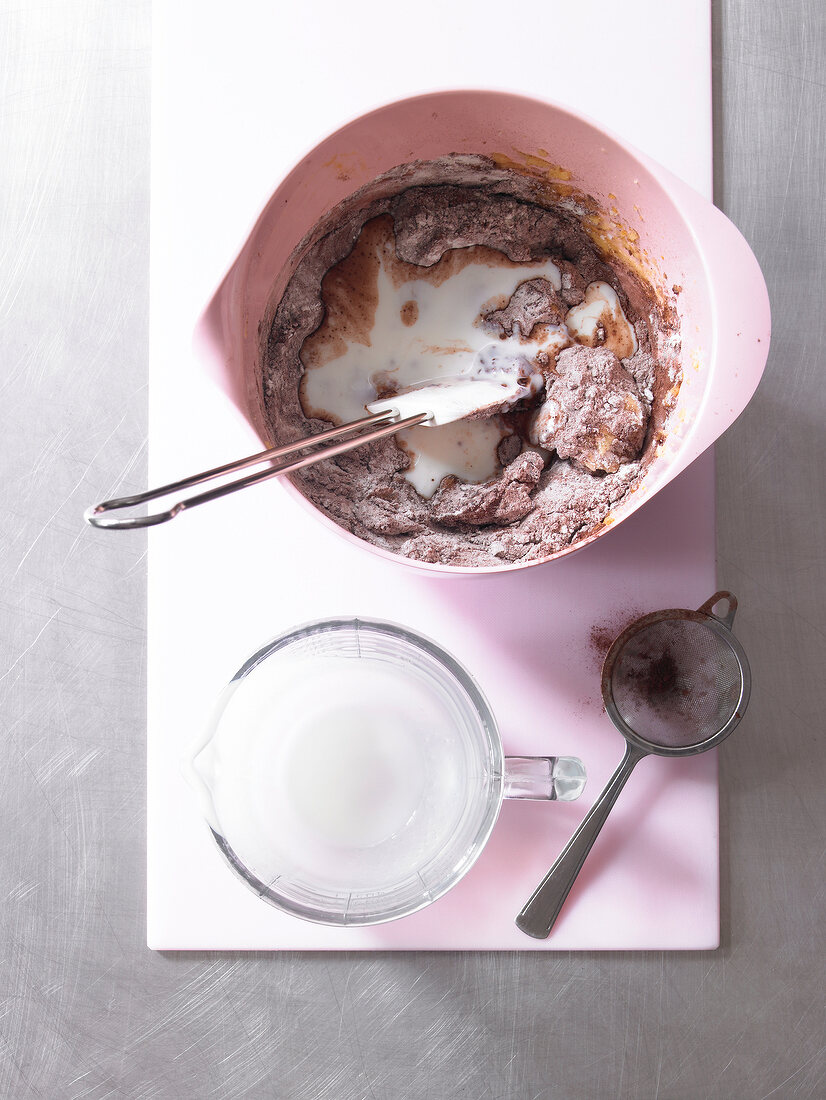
column 554, row 466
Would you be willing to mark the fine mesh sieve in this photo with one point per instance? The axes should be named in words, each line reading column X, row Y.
column 674, row 683
column 677, row 679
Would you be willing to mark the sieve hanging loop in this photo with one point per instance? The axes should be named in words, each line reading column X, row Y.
column 731, row 603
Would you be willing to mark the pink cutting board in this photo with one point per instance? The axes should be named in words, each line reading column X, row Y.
column 240, row 93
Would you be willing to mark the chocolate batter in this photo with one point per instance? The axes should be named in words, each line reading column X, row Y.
column 566, row 460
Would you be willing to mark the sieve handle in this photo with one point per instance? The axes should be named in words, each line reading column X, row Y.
column 539, row 914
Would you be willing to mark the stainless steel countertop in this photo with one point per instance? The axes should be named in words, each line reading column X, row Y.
column 87, row 1010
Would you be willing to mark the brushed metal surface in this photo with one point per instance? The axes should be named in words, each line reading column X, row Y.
column 86, row 1009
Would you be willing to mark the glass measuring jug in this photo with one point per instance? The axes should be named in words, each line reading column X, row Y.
column 353, row 771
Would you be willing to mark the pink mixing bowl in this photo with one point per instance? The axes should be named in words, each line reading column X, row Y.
column 642, row 213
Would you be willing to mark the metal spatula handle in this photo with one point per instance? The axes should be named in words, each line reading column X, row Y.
column 539, row 914
column 381, row 424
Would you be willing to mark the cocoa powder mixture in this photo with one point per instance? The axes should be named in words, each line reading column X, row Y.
column 559, row 479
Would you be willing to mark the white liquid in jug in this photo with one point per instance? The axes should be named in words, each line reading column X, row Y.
column 341, row 768
column 352, row 766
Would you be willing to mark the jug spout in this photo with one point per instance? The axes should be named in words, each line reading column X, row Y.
column 198, row 768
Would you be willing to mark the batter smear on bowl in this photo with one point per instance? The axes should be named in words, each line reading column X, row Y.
column 421, row 283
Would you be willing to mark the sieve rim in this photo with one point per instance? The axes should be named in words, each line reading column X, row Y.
column 719, row 627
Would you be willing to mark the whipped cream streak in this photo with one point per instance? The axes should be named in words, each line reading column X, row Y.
column 599, row 321
column 437, row 337
column 426, row 336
